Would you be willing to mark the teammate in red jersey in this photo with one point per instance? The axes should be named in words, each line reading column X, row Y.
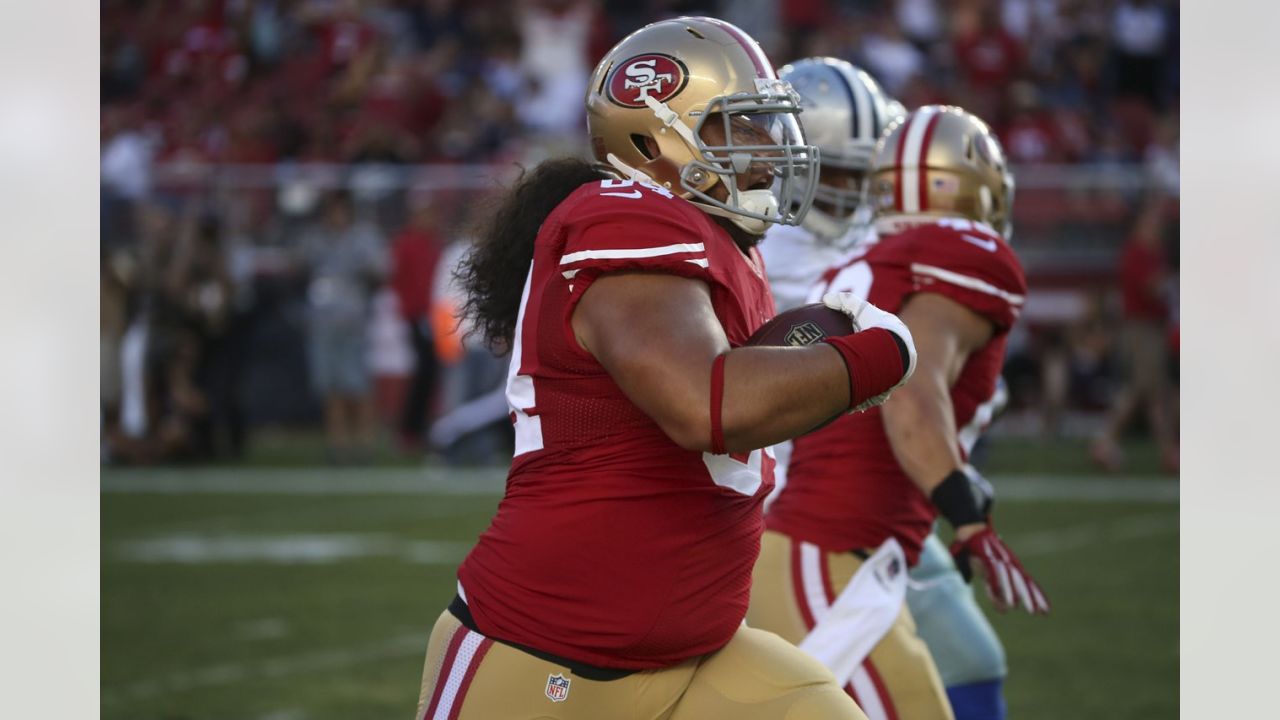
column 867, row 488
column 614, row 579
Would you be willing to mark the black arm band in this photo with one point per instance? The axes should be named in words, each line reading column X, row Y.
column 954, row 499
column 902, row 352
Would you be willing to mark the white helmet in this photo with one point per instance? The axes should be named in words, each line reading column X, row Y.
column 845, row 111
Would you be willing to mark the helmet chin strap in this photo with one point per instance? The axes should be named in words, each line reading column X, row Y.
column 629, row 172
column 671, row 119
column 761, row 202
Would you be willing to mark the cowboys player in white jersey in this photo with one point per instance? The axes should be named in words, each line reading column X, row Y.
column 845, row 113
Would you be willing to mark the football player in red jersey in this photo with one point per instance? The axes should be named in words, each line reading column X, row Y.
column 614, row 579
column 845, row 113
column 865, row 490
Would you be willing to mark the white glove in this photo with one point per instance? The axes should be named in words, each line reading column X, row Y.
column 865, row 315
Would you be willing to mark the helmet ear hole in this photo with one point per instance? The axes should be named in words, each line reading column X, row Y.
column 645, row 145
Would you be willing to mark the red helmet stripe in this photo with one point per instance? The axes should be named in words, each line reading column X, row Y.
column 911, row 155
column 764, row 68
column 897, row 163
column 923, row 163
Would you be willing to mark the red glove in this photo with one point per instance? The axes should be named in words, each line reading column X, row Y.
column 1008, row 584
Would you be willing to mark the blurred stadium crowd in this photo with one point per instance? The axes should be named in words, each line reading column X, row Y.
column 286, row 185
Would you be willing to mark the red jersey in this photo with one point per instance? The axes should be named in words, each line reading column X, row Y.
column 613, row 546
column 989, row 59
column 345, row 38
column 414, row 255
column 845, row 489
column 1141, row 272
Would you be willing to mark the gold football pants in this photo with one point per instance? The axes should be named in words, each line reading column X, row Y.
column 794, row 583
column 757, row 675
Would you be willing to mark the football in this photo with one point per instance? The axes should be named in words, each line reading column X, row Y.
column 804, row 325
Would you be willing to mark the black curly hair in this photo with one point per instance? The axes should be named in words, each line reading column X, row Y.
column 493, row 272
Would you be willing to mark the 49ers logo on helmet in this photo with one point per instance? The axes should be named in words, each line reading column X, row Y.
column 657, row 76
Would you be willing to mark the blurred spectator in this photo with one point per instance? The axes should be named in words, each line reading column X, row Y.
column 113, row 305
column 1162, row 157
column 1079, row 80
column 344, row 35
column 239, row 107
column 270, row 28
column 199, row 288
column 1091, row 371
column 127, row 154
column 988, row 56
column 1144, row 277
column 122, row 58
column 920, row 20
column 171, row 299
column 470, row 429
column 1032, row 134
column 415, row 254
column 346, row 260
column 1039, row 27
column 889, row 56
column 480, row 125
column 1025, row 19
column 557, row 39
column 441, row 79
column 1174, row 336
column 173, row 404
column 436, row 23
column 489, row 409
column 1140, row 32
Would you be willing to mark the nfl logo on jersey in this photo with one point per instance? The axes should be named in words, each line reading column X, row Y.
column 557, row 687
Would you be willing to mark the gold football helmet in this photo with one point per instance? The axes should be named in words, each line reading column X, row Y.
column 654, row 93
column 941, row 161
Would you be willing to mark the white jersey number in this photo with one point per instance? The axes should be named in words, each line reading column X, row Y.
column 520, row 393
column 740, row 473
column 855, row 278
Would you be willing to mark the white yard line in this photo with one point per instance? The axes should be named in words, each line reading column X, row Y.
column 284, row 549
column 1067, row 488
column 1075, row 537
column 371, row 481
column 488, row 482
column 328, row 548
column 265, row 669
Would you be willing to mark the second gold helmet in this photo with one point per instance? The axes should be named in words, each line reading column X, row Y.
column 941, row 161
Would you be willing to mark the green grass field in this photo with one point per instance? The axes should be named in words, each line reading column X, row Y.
column 301, row 594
